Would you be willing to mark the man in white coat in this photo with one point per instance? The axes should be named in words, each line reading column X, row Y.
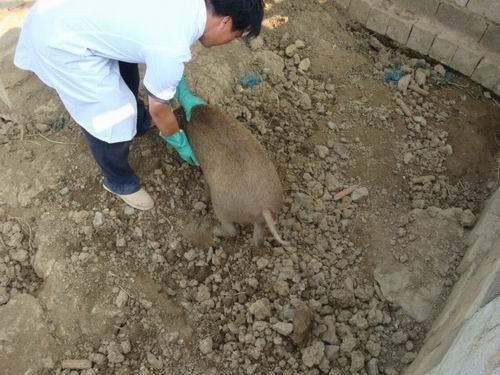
column 88, row 51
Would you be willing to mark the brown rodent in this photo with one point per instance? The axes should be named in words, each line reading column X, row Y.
column 244, row 185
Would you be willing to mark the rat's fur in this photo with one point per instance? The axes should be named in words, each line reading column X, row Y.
column 244, row 185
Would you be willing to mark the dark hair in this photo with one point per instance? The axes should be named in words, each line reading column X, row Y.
column 247, row 15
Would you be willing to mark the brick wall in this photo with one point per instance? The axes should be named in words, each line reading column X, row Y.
column 462, row 34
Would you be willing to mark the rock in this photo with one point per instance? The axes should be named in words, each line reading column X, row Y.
column 439, row 69
column 420, row 77
column 373, row 348
column 305, row 101
column 341, row 150
column 120, row 242
column 349, row 343
column 408, row 358
column 291, row 50
column 302, row 325
column 305, row 65
column 359, row 194
column 206, row 345
column 42, row 128
column 128, row 211
column 19, row 256
column 312, row 355
column 154, row 362
column 404, row 82
column 332, row 352
column 77, row 364
column 321, row 151
column 399, row 337
column 467, row 219
column 300, row 44
column 4, row 295
column 126, row 346
column 270, row 62
column 397, row 287
column 256, row 43
column 357, row 361
column 408, row 157
column 372, row 367
column 115, row 353
column 199, row 206
column 121, row 299
column 261, row 309
column 98, row 219
column 283, row 328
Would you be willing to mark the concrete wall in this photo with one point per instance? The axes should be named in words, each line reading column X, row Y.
column 465, row 339
column 462, row 34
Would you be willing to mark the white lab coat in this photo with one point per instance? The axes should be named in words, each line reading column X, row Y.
column 74, row 47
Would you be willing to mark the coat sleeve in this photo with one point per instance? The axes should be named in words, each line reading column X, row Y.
column 163, row 73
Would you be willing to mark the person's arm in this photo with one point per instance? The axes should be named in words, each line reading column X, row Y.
column 163, row 117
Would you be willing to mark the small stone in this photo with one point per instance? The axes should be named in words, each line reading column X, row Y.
column 42, row 128
column 291, row 50
column 305, row 65
column 64, row 190
column 341, row 150
column 129, row 211
column 98, row 219
column 357, row 361
column 408, row 358
column 154, row 362
column 332, row 352
column 348, row 344
column 261, row 309
column 420, row 77
column 146, row 304
column 407, row 157
column 126, row 346
column 19, row 256
column 373, row 367
column 114, row 353
column 399, row 337
column 4, row 295
column 359, row 194
column 120, row 242
column 121, row 299
column 467, row 219
column 206, row 345
column 199, row 206
column 203, row 293
column 305, row 101
column 283, row 328
column 404, row 82
column 302, row 325
column 300, row 44
column 440, row 70
column 312, row 355
column 321, row 151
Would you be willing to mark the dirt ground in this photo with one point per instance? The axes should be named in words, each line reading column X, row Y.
column 84, row 277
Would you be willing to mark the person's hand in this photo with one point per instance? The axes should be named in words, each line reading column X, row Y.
column 181, row 144
column 187, row 100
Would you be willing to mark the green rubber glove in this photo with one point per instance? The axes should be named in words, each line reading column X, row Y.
column 181, row 144
column 187, row 100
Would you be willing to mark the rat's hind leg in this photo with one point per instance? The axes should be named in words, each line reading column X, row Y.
column 258, row 234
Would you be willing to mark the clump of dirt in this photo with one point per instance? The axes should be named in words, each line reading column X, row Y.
column 381, row 188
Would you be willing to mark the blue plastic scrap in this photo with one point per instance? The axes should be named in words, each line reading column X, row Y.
column 59, row 123
column 392, row 75
column 420, row 64
column 250, row 80
column 449, row 76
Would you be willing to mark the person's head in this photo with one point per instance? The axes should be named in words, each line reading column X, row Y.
column 231, row 19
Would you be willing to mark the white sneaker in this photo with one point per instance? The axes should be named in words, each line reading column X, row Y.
column 140, row 200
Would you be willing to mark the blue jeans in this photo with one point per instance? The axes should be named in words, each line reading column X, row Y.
column 112, row 158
